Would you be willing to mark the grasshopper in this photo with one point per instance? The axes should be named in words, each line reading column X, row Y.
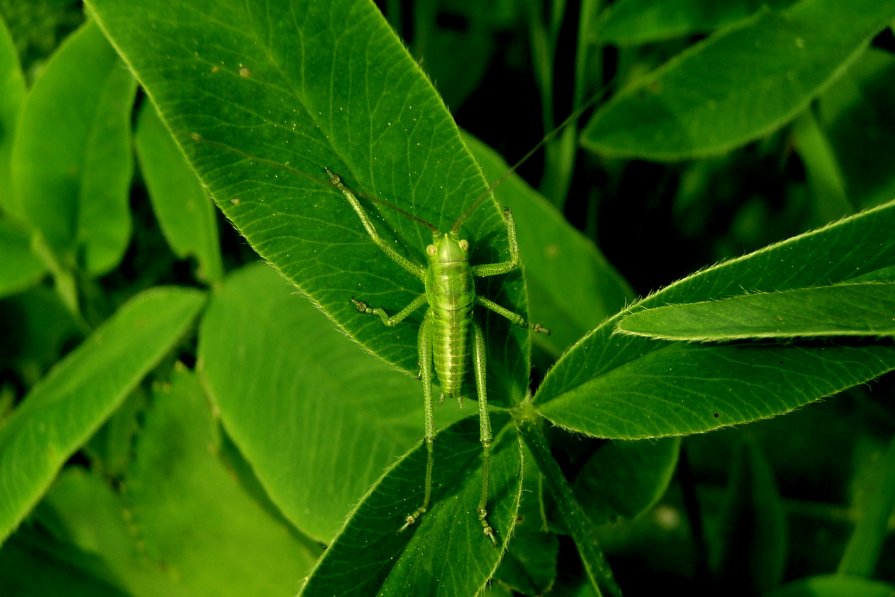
column 449, row 334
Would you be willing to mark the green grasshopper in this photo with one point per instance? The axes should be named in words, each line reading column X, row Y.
column 449, row 331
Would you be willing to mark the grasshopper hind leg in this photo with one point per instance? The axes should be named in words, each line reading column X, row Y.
column 426, row 375
column 478, row 365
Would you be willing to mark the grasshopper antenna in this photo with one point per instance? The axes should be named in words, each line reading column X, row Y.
column 336, row 179
column 575, row 115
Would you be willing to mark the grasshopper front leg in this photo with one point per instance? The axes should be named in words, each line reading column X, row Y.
column 395, row 319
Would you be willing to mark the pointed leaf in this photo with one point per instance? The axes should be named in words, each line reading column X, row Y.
column 740, row 84
column 70, row 403
column 265, row 96
column 445, row 548
column 72, row 159
column 850, row 309
column 624, row 387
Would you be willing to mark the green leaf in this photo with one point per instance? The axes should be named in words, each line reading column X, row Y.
column 72, row 159
column 370, row 557
column 635, row 22
column 743, row 83
column 60, row 413
column 623, row 479
column 834, row 585
column 849, row 309
column 193, row 517
column 302, row 411
column 625, row 387
column 12, row 93
column 19, row 268
column 299, row 86
column 182, row 206
column 553, row 253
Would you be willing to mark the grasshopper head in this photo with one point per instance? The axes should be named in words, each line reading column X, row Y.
column 448, row 248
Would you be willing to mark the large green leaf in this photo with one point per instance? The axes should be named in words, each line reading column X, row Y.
column 445, row 552
column 12, row 92
column 263, row 97
column 181, row 205
column 72, row 158
column 317, row 417
column 851, row 309
column 618, row 386
column 193, row 516
column 738, row 85
column 70, row 403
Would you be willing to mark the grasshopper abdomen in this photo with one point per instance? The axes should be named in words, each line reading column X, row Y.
column 450, row 291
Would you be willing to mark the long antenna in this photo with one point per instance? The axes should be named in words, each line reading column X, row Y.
column 575, row 115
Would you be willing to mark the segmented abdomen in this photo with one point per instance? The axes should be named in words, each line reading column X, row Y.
column 451, row 294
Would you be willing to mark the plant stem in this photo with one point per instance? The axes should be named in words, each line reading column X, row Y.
column 573, row 516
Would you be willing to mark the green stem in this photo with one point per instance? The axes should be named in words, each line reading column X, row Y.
column 573, row 516
column 862, row 552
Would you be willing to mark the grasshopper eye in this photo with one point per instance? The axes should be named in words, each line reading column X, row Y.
column 431, row 250
column 464, row 244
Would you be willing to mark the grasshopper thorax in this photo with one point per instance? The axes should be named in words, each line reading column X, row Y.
column 447, row 248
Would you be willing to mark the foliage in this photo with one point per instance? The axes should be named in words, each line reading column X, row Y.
column 176, row 418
